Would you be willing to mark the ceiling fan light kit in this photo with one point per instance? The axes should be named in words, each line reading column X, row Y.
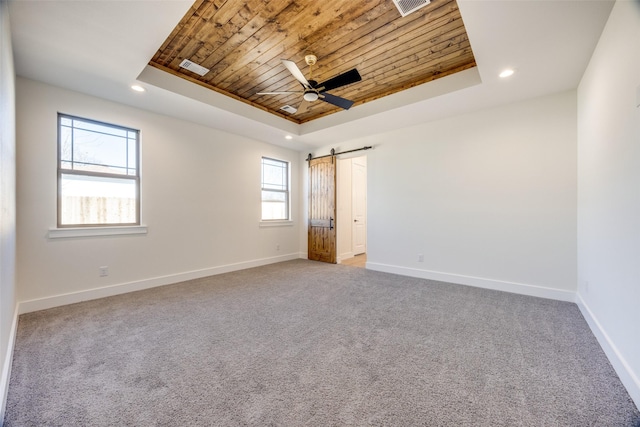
column 312, row 90
column 310, row 96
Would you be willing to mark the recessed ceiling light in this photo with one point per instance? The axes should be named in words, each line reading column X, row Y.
column 138, row 88
column 506, row 73
column 288, row 137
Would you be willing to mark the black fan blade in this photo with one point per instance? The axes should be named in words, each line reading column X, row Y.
column 336, row 100
column 343, row 79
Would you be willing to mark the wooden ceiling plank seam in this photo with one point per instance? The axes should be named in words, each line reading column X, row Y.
column 279, row 81
column 380, row 23
column 172, row 49
column 190, row 28
column 429, row 42
column 317, row 41
column 211, row 54
column 321, row 20
column 216, row 22
column 425, row 70
column 349, row 65
column 294, row 102
column 253, row 18
column 267, row 76
column 177, row 30
column 321, row 63
column 273, row 46
column 319, row 69
column 415, row 20
column 378, row 39
column 213, row 37
column 425, row 66
column 380, row 57
column 409, row 85
column 251, row 46
column 216, row 15
column 277, row 101
column 387, row 74
column 248, row 84
column 250, row 27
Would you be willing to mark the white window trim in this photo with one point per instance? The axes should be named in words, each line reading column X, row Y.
column 71, row 232
column 276, row 223
column 136, row 178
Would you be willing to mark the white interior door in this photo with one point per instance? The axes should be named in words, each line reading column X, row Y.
column 359, row 204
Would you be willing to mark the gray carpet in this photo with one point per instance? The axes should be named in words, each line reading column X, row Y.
column 302, row 343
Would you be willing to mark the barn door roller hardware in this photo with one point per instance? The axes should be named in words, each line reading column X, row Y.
column 333, row 153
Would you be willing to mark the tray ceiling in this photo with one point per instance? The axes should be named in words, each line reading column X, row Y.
column 242, row 43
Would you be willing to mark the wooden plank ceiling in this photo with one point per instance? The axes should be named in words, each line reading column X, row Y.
column 243, row 42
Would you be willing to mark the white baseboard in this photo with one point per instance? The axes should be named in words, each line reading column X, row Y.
column 8, row 361
column 626, row 374
column 107, row 291
column 498, row 285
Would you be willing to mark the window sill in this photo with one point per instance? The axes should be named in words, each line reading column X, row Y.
column 287, row 223
column 63, row 233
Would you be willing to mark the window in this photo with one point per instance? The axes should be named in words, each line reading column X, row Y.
column 275, row 189
column 98, row 173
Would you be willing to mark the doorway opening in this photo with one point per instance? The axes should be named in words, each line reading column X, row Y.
column 351, row 212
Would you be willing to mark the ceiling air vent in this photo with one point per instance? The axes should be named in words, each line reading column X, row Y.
column 289, row 109
column 193, row 67
column 409, row 6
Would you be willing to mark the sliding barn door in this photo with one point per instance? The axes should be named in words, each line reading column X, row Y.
column 322, row 209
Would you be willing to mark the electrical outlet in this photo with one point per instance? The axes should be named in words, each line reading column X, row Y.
column 103, row 271
column 420, row 258
column 277, row 247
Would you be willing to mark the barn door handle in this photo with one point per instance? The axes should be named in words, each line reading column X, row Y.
column 330, row 223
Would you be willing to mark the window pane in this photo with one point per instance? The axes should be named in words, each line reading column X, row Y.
column 97, row 147
column 275, row 189
column 99, row 128
column 132, row 160
column 97, row 200
column 65, row 143
column 274, row 174
column 104, row 188
column 99, row 152
column 274, row 205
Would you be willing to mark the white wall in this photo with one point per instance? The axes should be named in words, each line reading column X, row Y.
column 200, row 200
column 7, row 204
column 488, row 198
column 609, row 192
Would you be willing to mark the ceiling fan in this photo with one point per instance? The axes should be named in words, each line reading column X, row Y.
column 312, row 90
